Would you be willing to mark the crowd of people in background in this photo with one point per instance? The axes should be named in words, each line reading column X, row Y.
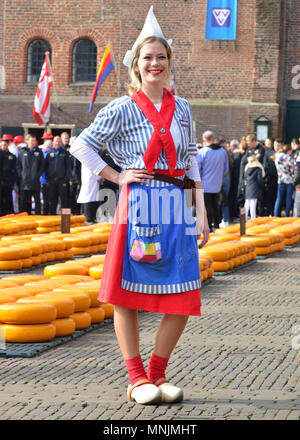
column 43, row 179
column 262, row 177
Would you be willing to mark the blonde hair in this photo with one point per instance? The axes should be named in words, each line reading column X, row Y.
column 135, row 83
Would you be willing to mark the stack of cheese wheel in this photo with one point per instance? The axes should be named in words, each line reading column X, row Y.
column 104, row 233
column 263, row 243
column 80, row 244
column 82, row 302
column 68, row 268
column 49, row 224
column 230, row 254
column 77, row 220
column 23, row 290
column 232, row 229
column 23, row 322
column 206, row 268
column 65, row 307
column 27, row 225
column 291, row 233
column 10, row 258
column 97, row 314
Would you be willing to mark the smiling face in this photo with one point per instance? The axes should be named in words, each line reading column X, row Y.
column 153, row 64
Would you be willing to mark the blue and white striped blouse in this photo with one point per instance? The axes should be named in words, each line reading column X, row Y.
column 126, row 132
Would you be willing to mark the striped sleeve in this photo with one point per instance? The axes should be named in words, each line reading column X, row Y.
column 104, row 128
column 192, row 148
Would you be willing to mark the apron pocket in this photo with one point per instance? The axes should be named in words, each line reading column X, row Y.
column 146, row 246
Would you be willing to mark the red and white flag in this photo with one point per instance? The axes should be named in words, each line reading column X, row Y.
column 41, row 108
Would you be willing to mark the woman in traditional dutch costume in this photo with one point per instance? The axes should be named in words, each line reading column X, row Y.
column 151, row 260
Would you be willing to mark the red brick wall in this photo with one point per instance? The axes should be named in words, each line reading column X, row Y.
column 248, row 70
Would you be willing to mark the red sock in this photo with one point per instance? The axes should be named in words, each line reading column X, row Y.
column 157, row 367
column 135, row 369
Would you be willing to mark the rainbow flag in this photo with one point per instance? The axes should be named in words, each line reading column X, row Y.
column 105, row 68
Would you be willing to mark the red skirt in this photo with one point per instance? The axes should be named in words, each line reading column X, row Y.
column 185, row 303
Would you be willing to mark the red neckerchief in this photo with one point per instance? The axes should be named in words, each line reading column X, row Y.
column 161, row 122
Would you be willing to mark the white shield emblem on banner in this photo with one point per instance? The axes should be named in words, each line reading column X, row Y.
column 221, row 15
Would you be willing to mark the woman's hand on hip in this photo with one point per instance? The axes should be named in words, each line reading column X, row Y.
column 134, row 176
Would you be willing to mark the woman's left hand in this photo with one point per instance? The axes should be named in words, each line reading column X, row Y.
column 206, row 232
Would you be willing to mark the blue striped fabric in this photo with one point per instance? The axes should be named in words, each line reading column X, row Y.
column 125, row 130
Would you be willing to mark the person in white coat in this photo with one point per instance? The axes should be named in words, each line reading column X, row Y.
column 89, row 194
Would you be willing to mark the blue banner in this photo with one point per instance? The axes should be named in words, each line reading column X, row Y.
column 221, row 17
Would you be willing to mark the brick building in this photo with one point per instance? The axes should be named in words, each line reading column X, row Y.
column 230, row 84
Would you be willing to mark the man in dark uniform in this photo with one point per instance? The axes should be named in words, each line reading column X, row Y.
column 271, row 178
column 58, row 174
column 9, row 178
column 30, row 166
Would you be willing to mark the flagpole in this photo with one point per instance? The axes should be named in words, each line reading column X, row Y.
column 117, row 70
column 51, row 73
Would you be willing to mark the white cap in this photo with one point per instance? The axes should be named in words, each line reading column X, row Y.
column 151, row 28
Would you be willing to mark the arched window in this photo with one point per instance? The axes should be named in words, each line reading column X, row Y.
column 35, row 58
column 84, row 61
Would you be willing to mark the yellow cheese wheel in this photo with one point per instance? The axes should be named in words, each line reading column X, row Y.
column 26, row 262
column 64, row 306
column 64, row 326
column 68, row 254
column 258, row 240
column 288, row 230
column 78, row 241
column 49, row 222
column 83, row 250
column 36, row 260
column 108, row 309
column 92, row 292
column 204, row 275
column 210, row 272
column 22, row 279
column 98, row 259
column 7, row 299
column 90, row 284
column 7, row 283
column 82, row 320
column 27, row 289
column 218, row 254
column 102, row 247
column 104, row 236
column 93, row 248
column 263, row 250
column 65, row 269
column 97, row 314
column 72, row 279
column 42, row 230
column 96, row 272
column 289, row 241
column 205, row 257
column 11, row 265
column 28, row 333
column 25, row 252
column 219, row 266
column 59, row 245
column 82, row 300
column 59, row 255
column 50, row 256
column 9, row 228
column 48, row 245
column 18, row 313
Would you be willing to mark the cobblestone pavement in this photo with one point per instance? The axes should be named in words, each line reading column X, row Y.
column 237, row 361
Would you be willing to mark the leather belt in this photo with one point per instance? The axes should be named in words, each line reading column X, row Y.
column 186, row 183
